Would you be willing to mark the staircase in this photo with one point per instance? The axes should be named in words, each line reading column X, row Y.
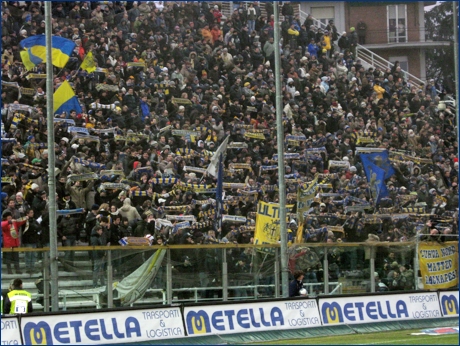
column 370, row 59
column 75, row 287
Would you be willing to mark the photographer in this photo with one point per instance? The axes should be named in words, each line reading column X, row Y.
column 296, row 288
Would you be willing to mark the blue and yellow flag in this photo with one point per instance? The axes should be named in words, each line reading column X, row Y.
column 33, row 50
column 65, row 100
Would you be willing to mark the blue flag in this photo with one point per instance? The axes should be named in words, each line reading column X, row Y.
column 375, row 177
column 219, row 195
column 381, row 160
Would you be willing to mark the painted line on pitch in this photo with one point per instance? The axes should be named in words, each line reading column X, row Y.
column 388, row 342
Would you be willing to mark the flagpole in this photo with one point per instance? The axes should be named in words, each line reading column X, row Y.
column 280, row 147
column 51, row 161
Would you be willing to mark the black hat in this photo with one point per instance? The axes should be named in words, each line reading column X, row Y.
column 95, row 207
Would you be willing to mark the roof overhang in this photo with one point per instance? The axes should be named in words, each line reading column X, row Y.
column 408, row 45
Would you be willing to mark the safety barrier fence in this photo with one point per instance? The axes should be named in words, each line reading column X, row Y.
column 159, row 323
column 143, row 275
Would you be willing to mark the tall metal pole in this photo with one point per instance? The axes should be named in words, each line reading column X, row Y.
column 455, row 25
column 51, row 162
column 280, row 146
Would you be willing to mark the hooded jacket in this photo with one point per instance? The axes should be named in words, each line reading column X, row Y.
column 128, row 211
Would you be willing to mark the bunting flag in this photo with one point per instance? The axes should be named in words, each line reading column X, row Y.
column 65, row 100
column 89, row 63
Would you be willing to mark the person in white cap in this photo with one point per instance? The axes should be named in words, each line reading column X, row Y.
column 34, row 188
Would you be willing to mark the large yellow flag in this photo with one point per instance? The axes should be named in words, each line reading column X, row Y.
column 88, row 64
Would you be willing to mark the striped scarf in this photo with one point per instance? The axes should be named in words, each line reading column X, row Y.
column 88, row 163
column 70, row 211
column 233, row 218
column 180, row 208
column 86, row 138
column 288, row 156
column 181, row 217
column 233, row 185
column 166, row 181
column 64, row 121
column 240, row 165
column 115, row 186
column 194, row 169
column 83, row 130
column 82, row 177
column 237, row 145
column 201, row 225
column 180, row 225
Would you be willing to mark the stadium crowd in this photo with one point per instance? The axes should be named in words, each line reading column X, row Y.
column 173, row 80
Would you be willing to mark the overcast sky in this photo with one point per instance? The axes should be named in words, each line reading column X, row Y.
column 428, row 8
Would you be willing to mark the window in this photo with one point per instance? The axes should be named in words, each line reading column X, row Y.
column 397, row 23
column 323, row 14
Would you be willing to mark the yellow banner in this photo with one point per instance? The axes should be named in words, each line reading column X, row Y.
column 438, row 264
column 268, row 224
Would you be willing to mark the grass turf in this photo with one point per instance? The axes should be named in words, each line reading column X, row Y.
column 400, row 337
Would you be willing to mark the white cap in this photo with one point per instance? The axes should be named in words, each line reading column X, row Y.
column 74, row 146
column 345, row 158
column 161, row 200
column 65, row 139
column 34, row 186
column 353, row 169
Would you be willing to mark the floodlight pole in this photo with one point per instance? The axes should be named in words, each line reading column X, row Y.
column 51, row 161
column 280, row 146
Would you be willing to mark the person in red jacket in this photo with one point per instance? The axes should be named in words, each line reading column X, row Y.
column 10, row 234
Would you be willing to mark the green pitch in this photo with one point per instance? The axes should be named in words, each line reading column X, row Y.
column 400, row 337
